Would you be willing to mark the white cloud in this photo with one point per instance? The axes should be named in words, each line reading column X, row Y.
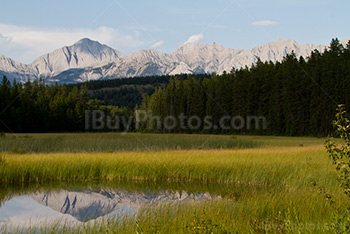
column 195, row 38
column 158, row 44
column 24, row 44
column 264, row 23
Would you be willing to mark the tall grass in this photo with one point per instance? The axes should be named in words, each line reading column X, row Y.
column 266, row 183
column 292, row 166
column 120, row 142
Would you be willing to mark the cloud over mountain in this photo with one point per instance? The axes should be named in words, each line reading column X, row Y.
column 28, row 42
column 195, row 38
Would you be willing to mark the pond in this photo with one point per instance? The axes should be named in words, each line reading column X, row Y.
column 37, row 205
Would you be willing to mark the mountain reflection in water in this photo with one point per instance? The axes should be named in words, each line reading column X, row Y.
column 87, row 205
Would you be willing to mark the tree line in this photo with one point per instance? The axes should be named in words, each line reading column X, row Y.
column 296, row 96
column 36, row 107
column 126, row 92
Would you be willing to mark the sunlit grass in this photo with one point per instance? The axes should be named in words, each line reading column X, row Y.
column 284, row 166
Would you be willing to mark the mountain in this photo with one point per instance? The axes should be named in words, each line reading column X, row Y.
column 15, row 70
column 84, row 53
column 89, row 60
column 202, row 58
column 77, row 57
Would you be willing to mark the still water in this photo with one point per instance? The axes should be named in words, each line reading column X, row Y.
column 39, row 205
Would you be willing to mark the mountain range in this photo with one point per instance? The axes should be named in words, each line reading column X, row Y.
column 90, row 60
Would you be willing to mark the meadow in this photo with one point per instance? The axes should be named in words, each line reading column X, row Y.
column 271, row 184
column 119, row 142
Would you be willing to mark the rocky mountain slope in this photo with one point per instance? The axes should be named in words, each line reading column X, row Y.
column 84, row 53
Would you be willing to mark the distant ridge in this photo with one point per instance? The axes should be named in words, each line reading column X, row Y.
column 90, row 60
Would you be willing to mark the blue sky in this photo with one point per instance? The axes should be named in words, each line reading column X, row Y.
column 29, row 29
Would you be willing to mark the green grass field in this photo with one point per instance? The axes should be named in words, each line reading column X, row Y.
column 270, row 181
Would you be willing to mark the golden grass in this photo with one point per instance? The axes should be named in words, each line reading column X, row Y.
column 296, row 166
column 285, row 173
